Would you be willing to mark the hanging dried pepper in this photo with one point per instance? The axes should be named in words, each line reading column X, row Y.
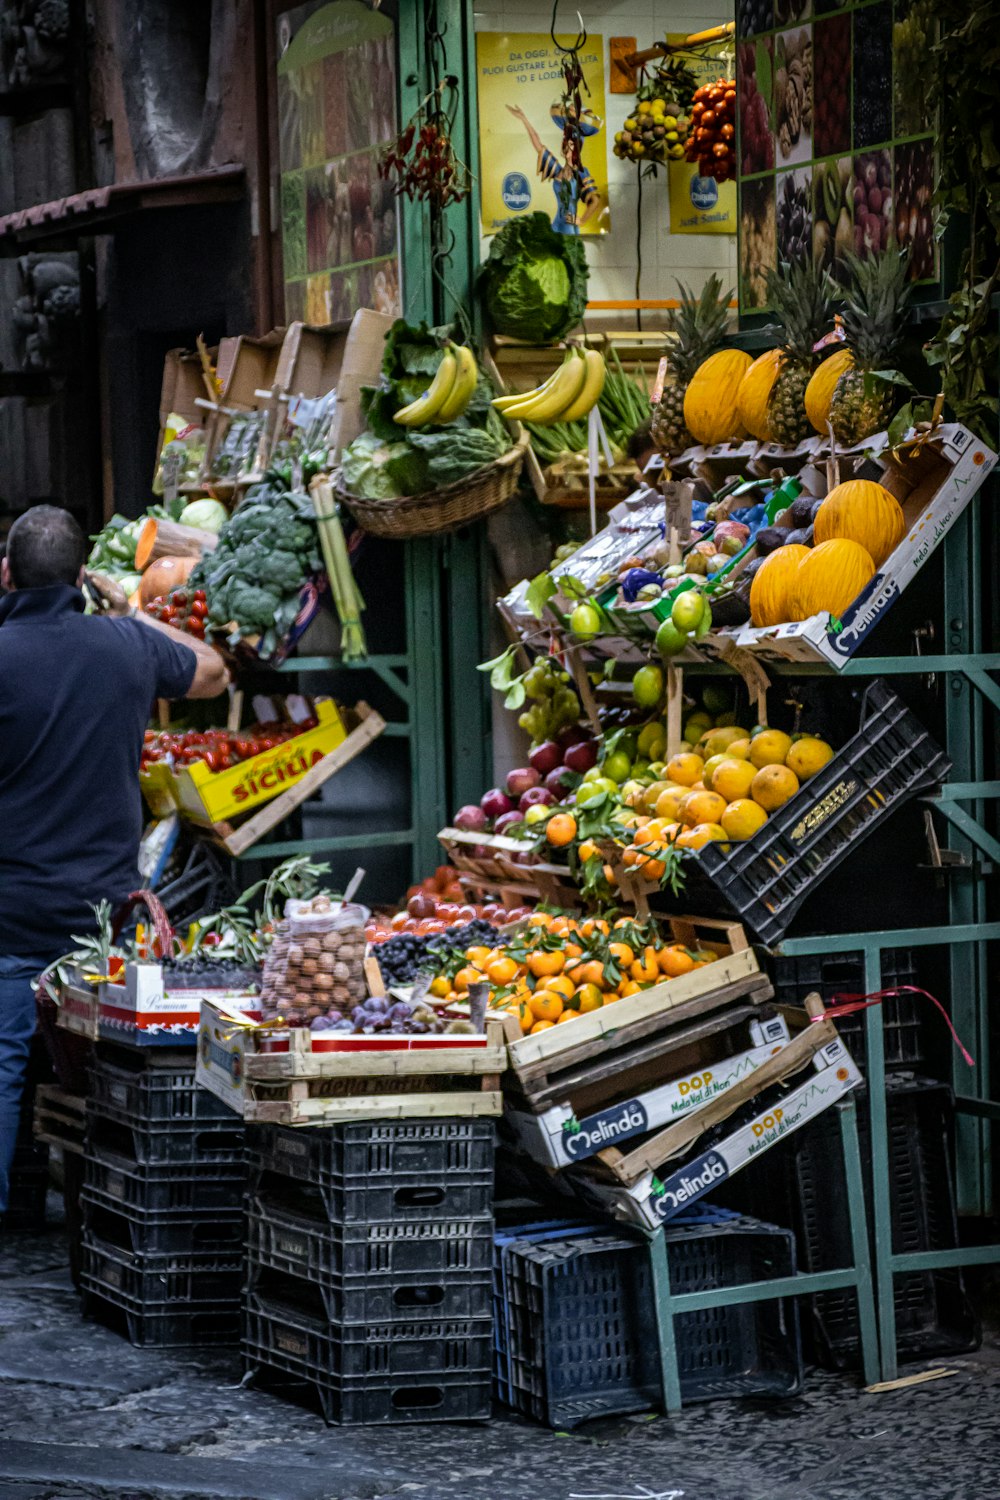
column 422, row 163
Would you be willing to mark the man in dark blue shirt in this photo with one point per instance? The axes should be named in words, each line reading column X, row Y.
column 75, row 696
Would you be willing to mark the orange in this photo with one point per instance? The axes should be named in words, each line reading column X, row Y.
column 685, row 768
column 588, row 850
column 623, row 953
column 542, row 963
column 702, row 834
column 588, row 998
column 732, row 779
column 645, row 970
column 742, row 818
column 541, row 1026
column 502, row 971
column 572, row 950
column 649, row 867
column 561, row 829
column 567, row 1015
column 545, row 1005
column 629, row 987
column 674, row 960
column 668, row 804
column 702, row 807
column 559, row 926
column 807, row 756
column 479, row 957
column 590, row 973
column 703, row 956
column 539, row 919
column 609, row 875
column 594, row 924
column 648, row 835
column 440, row 986
column 468, row 976
column 770, row 747
column 561, row 984
column 773, row 786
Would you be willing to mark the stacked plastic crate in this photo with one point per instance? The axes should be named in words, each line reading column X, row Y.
column 369, row 1267
column 162, row 1201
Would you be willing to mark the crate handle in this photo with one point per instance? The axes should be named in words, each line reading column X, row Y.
column 418, row 1197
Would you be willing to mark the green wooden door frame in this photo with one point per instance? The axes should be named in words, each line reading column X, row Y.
column 462, row 739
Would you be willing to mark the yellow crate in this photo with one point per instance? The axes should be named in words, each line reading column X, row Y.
column 209, row 797
column 158, row 789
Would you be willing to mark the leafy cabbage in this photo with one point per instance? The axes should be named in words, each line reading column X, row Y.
column 379, row 470
column 534, row 281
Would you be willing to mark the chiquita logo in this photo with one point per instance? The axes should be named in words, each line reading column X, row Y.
column 283, row 768
column 580, row 1138
column 690, row 1183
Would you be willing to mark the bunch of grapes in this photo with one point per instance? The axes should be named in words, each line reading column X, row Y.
column 756, row 137
column 554, row 702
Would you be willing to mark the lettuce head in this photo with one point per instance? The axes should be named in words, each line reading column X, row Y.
column 534, row 281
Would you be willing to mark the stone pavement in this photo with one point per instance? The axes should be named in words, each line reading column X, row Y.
column 84, row 1416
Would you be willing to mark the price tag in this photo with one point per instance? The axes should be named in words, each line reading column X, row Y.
column 678, row 497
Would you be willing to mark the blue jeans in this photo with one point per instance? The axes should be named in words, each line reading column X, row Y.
column 17, row 1027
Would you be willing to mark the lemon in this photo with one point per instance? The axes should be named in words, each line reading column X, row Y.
column 742, row 818
column 647, row 686
column 651, row 741
column 807, row 756
column 670, row 121
column 669, row 640
column 585, row 623
column 631, row 123
column 687, row 610
column 720, row 739
column 770, row 747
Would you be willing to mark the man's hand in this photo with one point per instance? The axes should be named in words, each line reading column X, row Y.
column 109, row 593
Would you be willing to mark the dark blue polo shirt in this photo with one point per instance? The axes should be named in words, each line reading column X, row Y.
column 75, row 698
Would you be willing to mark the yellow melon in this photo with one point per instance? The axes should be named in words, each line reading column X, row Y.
column 710, row 411
column 864, row 512
column 755, row 388
column 822, row 384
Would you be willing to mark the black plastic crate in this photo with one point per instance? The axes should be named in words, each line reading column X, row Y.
column 161, row 1327
column 431, row 1371
column 803, row 1182
column 214, row 1232
column 579, row 1316
column 141, row 1091
column 365, row 1172
column 831, row 974
column 176, row 1142
column 154, row 1280
column 161, row 1188
column 764, row 881
column 290, row 1239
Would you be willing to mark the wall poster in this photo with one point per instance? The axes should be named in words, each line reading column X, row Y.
column 336, row 110
column 521, row 166
column 700, row 205
column 835, row 150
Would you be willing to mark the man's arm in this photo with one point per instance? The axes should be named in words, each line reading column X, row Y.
column 211, row 675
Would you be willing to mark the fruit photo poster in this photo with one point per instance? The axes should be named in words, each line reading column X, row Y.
column 835, row 150
column 522, row 164
column 336, row 88
column 700, row 205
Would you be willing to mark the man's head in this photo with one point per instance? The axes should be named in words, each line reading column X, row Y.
column 44, row 546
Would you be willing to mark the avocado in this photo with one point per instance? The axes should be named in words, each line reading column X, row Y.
column 730, row 609
column 802, row 510
column 769, row 539
column 802, row 536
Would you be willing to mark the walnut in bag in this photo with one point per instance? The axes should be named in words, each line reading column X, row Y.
column 315, row 966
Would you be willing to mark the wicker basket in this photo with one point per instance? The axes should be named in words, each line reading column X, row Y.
column 454, row 505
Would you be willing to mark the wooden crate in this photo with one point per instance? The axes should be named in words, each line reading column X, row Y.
column 811, row 1030
column 496, row 869
column 60, row 1117
column 304, row 1085
column 634, row 1032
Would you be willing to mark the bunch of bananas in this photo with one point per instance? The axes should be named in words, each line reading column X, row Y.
column 448, row 394
column 566, row 396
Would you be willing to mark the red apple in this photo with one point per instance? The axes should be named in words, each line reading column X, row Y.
column 537, row 794
column 582, row 756
column 571, row 734
column 496, row 803
column 507, row 820
column 470, row 818
column 545, row 757
column 556, row 782
column 522, row 780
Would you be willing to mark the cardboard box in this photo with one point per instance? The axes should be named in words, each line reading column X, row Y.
column 361, row 365
column 656, row 1199
column 248, row 365
column 948, row 470
column 311, row 357
column 558, row 1138
column 144, row 1012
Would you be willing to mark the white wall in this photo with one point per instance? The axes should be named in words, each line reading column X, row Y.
column 665, row 256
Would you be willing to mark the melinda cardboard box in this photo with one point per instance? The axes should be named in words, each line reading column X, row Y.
column 558, row 1138
column 934, row 480
column 657, row 1198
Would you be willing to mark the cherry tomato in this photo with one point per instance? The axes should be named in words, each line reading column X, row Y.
column 199, row 609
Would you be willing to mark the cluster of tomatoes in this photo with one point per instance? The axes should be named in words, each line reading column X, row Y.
column 219, row 749
column 183, row 610
column 559, row 968
column 711, row 141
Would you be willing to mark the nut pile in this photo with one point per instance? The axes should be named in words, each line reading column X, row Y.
column 310, row 976
column 793, row 93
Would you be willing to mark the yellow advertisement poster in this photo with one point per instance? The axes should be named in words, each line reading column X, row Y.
column 700, row 205
column 522, row 166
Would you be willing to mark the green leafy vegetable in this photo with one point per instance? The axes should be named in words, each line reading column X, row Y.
column 452, row 454
column 380, row 470
column 534, row 281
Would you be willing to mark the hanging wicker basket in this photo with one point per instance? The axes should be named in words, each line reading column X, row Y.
column 465, row 500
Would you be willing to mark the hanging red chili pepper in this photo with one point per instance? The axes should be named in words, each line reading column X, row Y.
column 422, row 163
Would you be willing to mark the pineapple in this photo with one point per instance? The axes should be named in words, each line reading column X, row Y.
column 699, row 324
column 801, row 297
column 875, row 304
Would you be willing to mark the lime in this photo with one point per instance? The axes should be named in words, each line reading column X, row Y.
column 585, row 622
column 716, row 698
column 594, row 774
column 652, row 741
column 647, row 686
column 617, row 767
column 669, row 640
column 687, row 611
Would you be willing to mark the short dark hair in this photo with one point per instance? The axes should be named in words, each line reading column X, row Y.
column 45, row 546
column 641, row 441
